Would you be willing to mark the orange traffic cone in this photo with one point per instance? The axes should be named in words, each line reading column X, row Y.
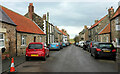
column 12, row 68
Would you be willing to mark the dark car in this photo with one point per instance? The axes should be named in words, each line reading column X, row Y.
column 90, row 45
column 61, row 46
column 85, row 45
column 101, row 49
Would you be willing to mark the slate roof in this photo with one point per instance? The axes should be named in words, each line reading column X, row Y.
column 5, row 18
column 97, row 23
column 116, row 13
column 23, row 24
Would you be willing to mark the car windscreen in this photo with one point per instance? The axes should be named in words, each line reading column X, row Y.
column 35, row 46
column 106, row 45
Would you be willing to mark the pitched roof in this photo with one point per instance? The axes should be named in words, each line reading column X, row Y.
column 116, row 13
column 63, row 32
column 5, row 18
column 97, row 23
column 57, row 31
column 23, row 24
column 105, row 30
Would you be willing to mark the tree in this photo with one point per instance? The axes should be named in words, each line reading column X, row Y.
column 76, row 39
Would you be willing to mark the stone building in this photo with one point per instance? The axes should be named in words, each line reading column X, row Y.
column 7, row 33
column 83, row 35
column 27, row 31
column 35, row 17
column 68, row 37
column 99, row 25
column 104, row 34
column 51, row 33
column 57, row 34
column 115, row 32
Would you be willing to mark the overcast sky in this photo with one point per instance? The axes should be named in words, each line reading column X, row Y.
column 71, row 16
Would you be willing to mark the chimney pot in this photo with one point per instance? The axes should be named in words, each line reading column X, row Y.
column 96, row 21
column 30, row 10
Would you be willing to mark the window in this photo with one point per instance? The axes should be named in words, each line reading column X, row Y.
column 35, row 46
column 101, row 38
column 118, row 42
column 117, row 21
column 1, row 40
column 107, row 39
column 40, row 39
column 23, row 42
column 34, row 38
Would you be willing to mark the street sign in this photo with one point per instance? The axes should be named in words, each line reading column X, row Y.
column 117, row 27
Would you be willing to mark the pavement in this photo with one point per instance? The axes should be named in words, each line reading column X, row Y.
column 7, row 62
column 68, row 59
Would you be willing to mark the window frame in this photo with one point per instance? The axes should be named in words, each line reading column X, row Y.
column 2, row 40
column 23, row 39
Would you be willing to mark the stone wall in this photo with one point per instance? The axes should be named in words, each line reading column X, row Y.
column 29, row 38
column 10, row 38
column 104, row 38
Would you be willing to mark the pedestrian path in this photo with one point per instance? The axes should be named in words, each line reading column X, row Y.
column 6, row 63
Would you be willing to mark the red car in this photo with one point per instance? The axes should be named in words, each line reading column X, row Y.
column 37, row 49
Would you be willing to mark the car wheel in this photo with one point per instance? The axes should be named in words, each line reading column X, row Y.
column 95, row 56
column 91, row 54
column 27, row 58
column 114, row 59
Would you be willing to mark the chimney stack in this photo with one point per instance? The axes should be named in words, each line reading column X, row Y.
column 85, row 27
column 110, row 12
column 30, row 10
column 44, row 17
column 96, row 21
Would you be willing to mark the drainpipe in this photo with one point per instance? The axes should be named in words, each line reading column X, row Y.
column 16, row 42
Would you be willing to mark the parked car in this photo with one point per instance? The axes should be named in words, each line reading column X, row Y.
column 54, row 46
column 81, row 43
column 76, row 43
column 101, row 49
column 61, row 46
column 36, row 49
column 90, row 45
column 86, row 44
column 64, row 45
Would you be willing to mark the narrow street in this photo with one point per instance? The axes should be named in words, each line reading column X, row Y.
column 68, row 59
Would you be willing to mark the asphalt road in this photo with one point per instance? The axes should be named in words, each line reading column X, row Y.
column 68, row 59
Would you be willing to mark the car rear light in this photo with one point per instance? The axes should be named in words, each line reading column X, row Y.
column 49, row 45
column 56, row 45
column 98, row 49
column 114, row 50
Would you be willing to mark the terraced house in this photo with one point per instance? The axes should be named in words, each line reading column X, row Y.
column 26, row 31
column 97, row 31
column 7, row 34
column 83, row 35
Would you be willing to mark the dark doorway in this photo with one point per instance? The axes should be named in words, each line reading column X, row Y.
column 34, row 38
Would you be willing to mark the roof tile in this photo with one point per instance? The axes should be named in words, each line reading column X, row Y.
column 106, row 29
column 23, row 24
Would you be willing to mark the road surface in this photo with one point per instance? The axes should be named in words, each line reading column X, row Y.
column 68, row 59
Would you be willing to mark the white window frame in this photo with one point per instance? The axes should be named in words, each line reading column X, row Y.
column 118, row 42
column 23, row 38
column 117, row 21
column 101, row 38
column 3, row 41
column 106, row 39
